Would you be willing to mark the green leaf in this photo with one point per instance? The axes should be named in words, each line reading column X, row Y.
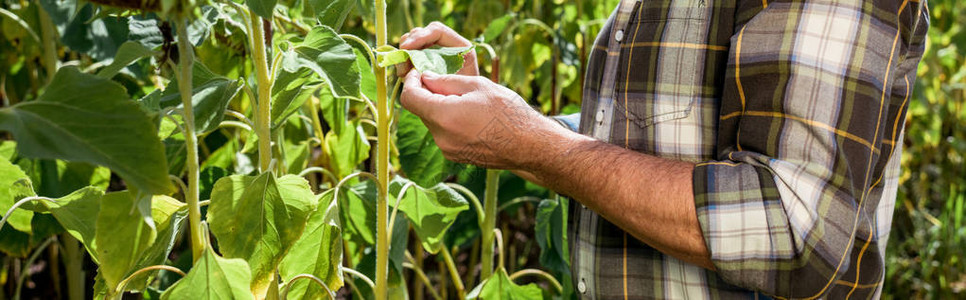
column 210, row 95
column 258, row 218
column 263, row 8
column 445, row 60
column 318, row 252
column 86, row 118
column 77, row 213
column 169, row 216
column 290, row 90
column 551, row 235
column 420, row 158
column 497, row 27
column 331, row 13
column 213, row 277
column 121, row 234
column 128, row 53
column 15, row 186
column 329, row 56
column 58, row 178
column 500, row 287
column 431, row 211
column 347, row 148
column 357, row 207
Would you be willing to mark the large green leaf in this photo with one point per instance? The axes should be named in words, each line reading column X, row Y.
column 347, row 148
column 357, row 207
column 77, row 213
column 86, row 118
column 431, row 210
column 317, row 252
column 121, row 234
column 258, row 218
column 210, row 95
column 213, row 277
column 500, row 287
column 420, row 158
column 328, row 55
column 445, row 60
column 263, row 8
column 15, row 186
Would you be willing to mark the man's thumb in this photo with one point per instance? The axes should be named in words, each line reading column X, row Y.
column 450, row 84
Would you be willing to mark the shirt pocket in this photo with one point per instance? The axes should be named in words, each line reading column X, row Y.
column 661, row 64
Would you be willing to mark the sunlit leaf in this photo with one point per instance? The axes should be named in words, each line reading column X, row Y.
column 317, row 252
column 431, row 210
column 258, row 219
column 328, row 55
column 14, row 185
column 213, row 277
column 500, row 287
column 445, row 60
column 121, row 235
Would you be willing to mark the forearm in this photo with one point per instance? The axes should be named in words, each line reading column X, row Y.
column 649, row 197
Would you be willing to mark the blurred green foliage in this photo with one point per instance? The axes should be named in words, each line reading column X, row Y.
column 927, row 247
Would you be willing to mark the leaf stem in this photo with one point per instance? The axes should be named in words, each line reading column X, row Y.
column 453, row 273
column 18, row 204
column 473, row 199
column 395, row 208
column 121, row 286
column 30, row 262
column 539, row 273
column 489, row 222
column 185, row 60
column 359, row 275
column 319, row 170
column 422, row 276
column 382, row 159
column 308, row 276
column 263, row 114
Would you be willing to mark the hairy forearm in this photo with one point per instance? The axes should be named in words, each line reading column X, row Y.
column 649, row 197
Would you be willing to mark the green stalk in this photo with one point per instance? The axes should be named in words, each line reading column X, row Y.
column 489, row 222
column 73, row 267
column 263, row 114
column 453, row 273
column 185, row 59
column 418, row 13
column 382, row 159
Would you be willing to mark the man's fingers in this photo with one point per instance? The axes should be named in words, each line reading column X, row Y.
column 415, row 97
column 450, row 84
column 434, row 34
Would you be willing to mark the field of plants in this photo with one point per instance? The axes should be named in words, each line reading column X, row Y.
column 183, row 149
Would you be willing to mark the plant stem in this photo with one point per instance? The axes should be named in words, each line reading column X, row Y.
column 263, row 114
column 185, row 59
column 73, row 266
column 453, row 273
column 489, row 222
column 382, row 159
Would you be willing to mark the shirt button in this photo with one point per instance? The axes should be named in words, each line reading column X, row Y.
column 581, row 286
column 619, row 35
column 600, row 116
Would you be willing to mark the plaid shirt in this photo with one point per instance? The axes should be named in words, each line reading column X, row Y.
column 792, row 112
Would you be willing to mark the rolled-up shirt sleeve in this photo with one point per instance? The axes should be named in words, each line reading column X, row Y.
column 808, row 111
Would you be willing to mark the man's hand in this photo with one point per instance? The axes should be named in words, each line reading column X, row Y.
column 476, row 121
column 437, row 34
